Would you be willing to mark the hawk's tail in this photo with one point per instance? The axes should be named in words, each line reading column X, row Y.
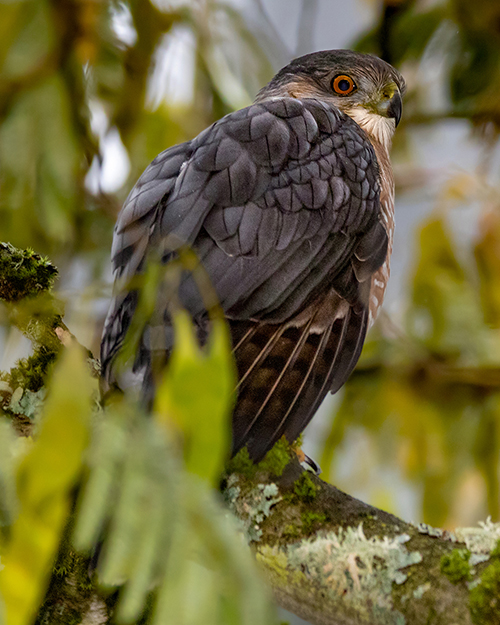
column 285, row 373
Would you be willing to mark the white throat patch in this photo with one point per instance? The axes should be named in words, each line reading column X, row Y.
column 381, row 128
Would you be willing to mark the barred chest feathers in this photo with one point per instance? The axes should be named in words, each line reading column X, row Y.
column 380, row 278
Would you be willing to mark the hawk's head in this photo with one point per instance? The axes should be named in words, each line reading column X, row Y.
column 361, row 85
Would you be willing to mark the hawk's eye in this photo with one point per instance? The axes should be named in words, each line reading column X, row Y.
column 343, row 85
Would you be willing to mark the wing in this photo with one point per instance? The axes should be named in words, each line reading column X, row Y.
column 131, row 240
column 281, row 202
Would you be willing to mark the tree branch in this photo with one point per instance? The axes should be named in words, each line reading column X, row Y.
column 334, row 560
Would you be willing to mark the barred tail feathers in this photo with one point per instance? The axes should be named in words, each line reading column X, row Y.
column 285, row 373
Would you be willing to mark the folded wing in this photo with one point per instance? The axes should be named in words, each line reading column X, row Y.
column 281, row 203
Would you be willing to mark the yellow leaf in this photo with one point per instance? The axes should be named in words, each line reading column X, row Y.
column 45, row 477
column 197, row 395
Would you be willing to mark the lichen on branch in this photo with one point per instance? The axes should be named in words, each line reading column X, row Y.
column 356, row 564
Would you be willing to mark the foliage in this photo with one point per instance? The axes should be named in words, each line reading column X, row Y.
column 166, row 530
column 162, row 526
column 65, row 65
column 44, row 478
column 194, row 380
column 158, row 523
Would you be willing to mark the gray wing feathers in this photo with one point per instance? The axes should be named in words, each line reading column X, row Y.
column 281, row 203
column 131, row 241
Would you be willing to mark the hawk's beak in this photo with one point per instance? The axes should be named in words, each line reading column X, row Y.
column 391, row 107
column 395, row 107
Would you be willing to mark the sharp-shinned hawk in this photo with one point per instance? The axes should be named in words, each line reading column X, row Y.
column 289, row 205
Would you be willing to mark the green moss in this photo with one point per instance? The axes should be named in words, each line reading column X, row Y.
column 290, row 531
column 495, row 553
column 23, row 273
column 485, row 597
column 30, row 373
column 242, row 464
column 304, row 488
column 455, row 565
column 277, row 458
column 70, row 591
column 311, row 519
column 274, row 462
column 72, row 564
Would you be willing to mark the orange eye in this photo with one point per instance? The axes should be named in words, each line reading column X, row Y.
column 343, row 85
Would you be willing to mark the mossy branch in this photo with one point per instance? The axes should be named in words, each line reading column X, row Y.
column 26, row 282
column 334, row 560
column 331, row 559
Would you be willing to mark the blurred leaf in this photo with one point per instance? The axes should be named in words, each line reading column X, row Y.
column 486, row 451
column 487, row 253
column 45, row 478
column 39, row 158
column 414, row 30
column 421, row 430
column 474, row 69
column 197, row 395
column 446, row 314
column 107, row 450
column 403, row 31
column 166, row 531
column 149, row 286
column 8, row 500
column 480, row 15
column 27, row 37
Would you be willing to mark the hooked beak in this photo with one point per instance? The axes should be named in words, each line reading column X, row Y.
column 392, row 108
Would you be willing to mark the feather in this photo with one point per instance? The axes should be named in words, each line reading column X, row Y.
column 281, row 203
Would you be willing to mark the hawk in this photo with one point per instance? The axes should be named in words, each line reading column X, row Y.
column 289, row 205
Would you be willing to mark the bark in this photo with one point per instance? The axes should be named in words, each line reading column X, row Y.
column 334, row 560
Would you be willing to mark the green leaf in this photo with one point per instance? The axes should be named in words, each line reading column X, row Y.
column 414, row 30
column 26, row 35
column 45, row 477
column 41, row 180
column 197, row 395
column 109, row 446
column 446, row 313
column 487, row 255
column 8, row 502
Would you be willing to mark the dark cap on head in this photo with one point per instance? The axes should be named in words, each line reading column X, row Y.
column 318, row 64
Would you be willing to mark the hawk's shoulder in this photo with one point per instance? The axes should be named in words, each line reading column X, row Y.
column 293, row 164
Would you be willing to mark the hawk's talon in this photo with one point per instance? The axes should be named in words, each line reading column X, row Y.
column 307, row 462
